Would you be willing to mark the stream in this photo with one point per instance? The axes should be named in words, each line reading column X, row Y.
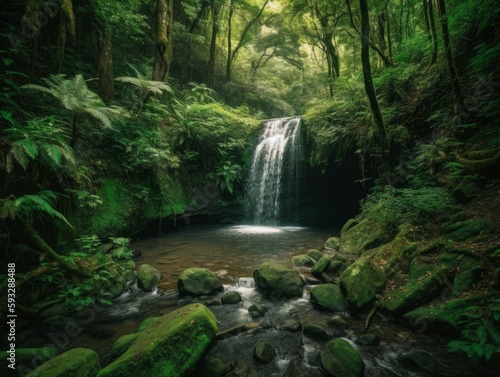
column 235, row 252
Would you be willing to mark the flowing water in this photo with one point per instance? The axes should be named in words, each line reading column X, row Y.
column 274, row 179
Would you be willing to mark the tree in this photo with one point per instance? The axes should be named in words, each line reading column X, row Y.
column 163, row 42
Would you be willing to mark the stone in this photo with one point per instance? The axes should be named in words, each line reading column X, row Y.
column 469, row 273
column 337, row 322
column 198, row 282
column 329, row 297
column 291, row 324
column 114, row 288
column 314, row 254
column 148, row 277
column 367, row 340
column 128, row 277
column 421, row 361
column 335, row 266
column 364, row 235
column 315, row 331
column 467, row 229
column 362, row 281
column 264, row 352
column 122, row 344
column 169, row 345
column 321, row 265
column 215, row 367
column 257, row 310
column 333, row 243
column 28, row 357
column 303, row 261
column 340, row 359
column 231, row 297
column 77, row 362
column 277, row 280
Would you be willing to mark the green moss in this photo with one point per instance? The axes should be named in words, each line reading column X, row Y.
column 329, row 297
column 122, row 344
column 333, row 243
column 28, row 357
column 467, row 229
column 315, row 331
column 276, row 279
column 340, row 359
column 303, row 261
column 314, row 254
column 321, row 266
column 77, row 362
column 198, row 282
column 167, row 347
column 363, row 236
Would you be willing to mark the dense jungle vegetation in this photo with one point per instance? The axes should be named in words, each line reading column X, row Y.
column 117, row 113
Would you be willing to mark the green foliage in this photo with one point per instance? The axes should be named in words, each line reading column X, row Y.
column 88, row 244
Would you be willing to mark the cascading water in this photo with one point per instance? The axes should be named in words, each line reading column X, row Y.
column 274, row 178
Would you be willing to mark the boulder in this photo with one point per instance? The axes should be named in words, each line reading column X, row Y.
column 198, row 282
column 231, row 297
column 335, row 266
column 28, row 357
column 215, row 367
column 333, row 243
column 364, row 235
column 467, row 229
column 77, row 362
column 303, row 261
column 122, row 344
column 362, row 281
column 321, row 265
column 337, row 322
column 367, row 340
column 167, row 346
column 148, row 277
column 315, row 331
column 314, row 254
column 277, row 280
column 257, row 310
column 264, row 352
column 421, row 361
column 329, row 297
column 340, row 359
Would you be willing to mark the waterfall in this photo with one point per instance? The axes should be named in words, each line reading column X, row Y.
column 272, row 188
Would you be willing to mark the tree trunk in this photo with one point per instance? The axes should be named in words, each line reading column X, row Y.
column 105, row 67
column 432, row 23
column 163, row 50
column 425, row 4
column 229, row 36
column 213, row 44
column 459, row 101
column 389, row 39
column 367, row 75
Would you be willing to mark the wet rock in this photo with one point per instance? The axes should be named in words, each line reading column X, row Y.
column 333, row 243
column 128, row 277
column 362, row 281
column 421, row 361
column 335, row 265
column 264, row 352
column 215, row 367
column 292, row 324
column 135, row 254
column 78, row 362
column 114, row 288
column 367, row 340
column 363, row 234
column 198, row 282
column 122, row 344
column 340, row 359
column 303, row 261
column 231, row 297
column 277, row 280
column 148, row 277
column 314, row 254
column 321, row 265
column 329, row 297
column 315, row 331
column 257, row 310
column 175, row 341
column 337, row 322
column 310, row 280
column 296, row 369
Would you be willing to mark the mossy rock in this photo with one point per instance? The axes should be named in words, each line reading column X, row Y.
column 257, row 310
column 314, row 254
column 365, row 235
column 148, row 277
column 329, row 297
column 469, row 273
column 367, row 340
column 335, row 266
column 277, row 280
column 114, row 288
column 321, row 266
column 421, row 361
column 168, row 346
column 340, row 359
column 28, row 357
column 333, row 243
column 77, row 362
column 337, row 322
column 122, row 344
column 231, row 297
column 362, row 281
column 467, row 229
column 198, row 282
column 315, row 331
column 339, row 257
column 264, row 352
column 303, row 261
column 215, row 367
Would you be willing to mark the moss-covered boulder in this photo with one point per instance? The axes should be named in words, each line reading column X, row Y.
column 168, row 345
column 335, row 266
column 264, row 352
column 148, row 277
column 77, row 362
column 257, row 310
column 469, row 273
column 337, row 322
column 277, row 280
column 314, row 254
column 198, row 282
column 315, row 331
column 214, row 367
column 27, row 358
column 421, row 361
column 122, row 344
column 364, row 235
column 362, row 281
column 467, row 229
column 340, row 359
column 333, row 243
column 329, row 297
column 303, row 261
column 231, row 297
column 321, row 266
